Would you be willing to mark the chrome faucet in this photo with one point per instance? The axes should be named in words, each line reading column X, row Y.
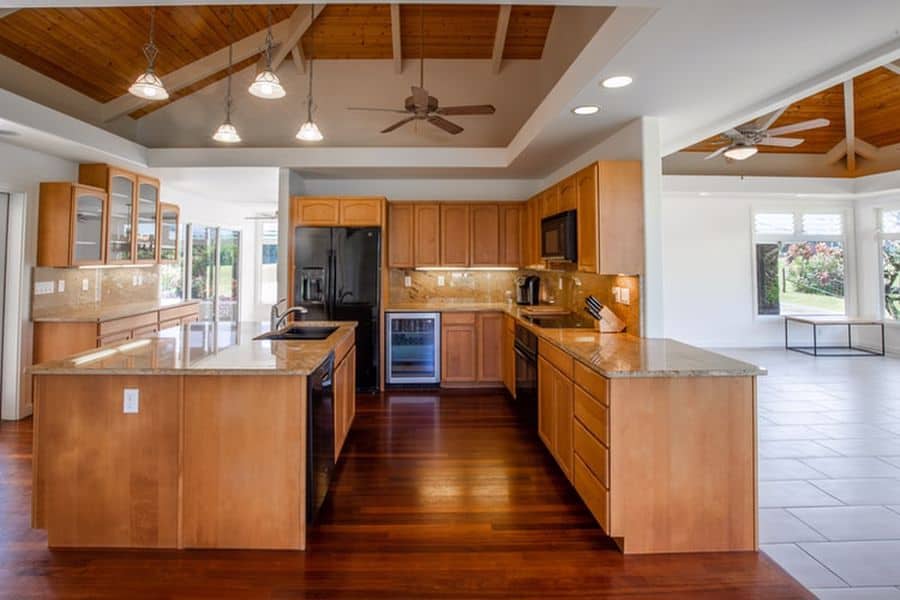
column 274, row 314
column 279, row 319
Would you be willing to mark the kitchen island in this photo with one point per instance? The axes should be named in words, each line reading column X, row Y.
column 197, row 438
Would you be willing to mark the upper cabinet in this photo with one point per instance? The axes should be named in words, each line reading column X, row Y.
column 314, row 211
column 567, row 195
column 146, row 242
column 427, row 237
column 550, row 202
column 71, row 225
column 586, row 197
column 168, row 233
column 455, row 234
column 401, row 234
column 511, row 234
column 485, row 235
column 120, row 225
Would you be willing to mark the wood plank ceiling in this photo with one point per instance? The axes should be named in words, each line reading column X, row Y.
column 876, row 97
column 98, row 51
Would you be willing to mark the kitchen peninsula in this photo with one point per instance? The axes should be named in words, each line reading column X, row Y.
column 197, row 438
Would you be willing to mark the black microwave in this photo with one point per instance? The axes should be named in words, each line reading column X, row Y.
column 559, row 237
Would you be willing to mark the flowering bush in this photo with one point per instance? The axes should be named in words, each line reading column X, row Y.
column 816, row 267
column 891, row 253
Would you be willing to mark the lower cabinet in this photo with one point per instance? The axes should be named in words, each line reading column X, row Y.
column 471, row 350
column 508, row 340
column 555, row 410
column 344, row 399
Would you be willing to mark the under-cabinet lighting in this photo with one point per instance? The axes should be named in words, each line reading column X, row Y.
column 94, row 356
column 467, row 269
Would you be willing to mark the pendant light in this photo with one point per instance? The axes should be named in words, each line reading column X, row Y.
column 267, row 85
column 309, row 131
column 148, row 85
column 226, row 133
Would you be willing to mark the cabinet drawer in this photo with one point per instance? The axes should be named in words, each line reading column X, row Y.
column 592, row 414
column 595, row 384
column 556, row 357
column 592, row 453
column 114, row 338
column 458, row 318
column 595, row 496
column 145, row 332
column 127, row 324
column 168, row 314
column 169, row 323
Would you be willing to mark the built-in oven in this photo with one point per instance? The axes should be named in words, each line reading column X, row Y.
column 559, row 237
column 413, row 348
column 526, row 348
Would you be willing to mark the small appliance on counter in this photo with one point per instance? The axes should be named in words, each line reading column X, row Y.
column 609, row 322
column 528, row 290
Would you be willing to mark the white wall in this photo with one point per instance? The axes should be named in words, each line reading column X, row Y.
column 870, row 279
column 419, row 188
column 22, row 170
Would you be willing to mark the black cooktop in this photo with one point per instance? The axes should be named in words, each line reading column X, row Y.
column 569, row 321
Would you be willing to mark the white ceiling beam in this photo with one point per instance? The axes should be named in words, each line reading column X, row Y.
column 837, row 152
column 195, row 71
column 850, row 125
column 299, row 59
column 865, row 149
column 300, row 20
column 395, row 38
column 893, row 67
column 500, row 37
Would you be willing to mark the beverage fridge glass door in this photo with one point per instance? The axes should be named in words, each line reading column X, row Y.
column 413, row 347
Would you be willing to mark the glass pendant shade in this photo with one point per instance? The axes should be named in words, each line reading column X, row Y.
column 309, row 132
column 149, row 87
column 267, row 85
column 741, row 152
column 227, row 134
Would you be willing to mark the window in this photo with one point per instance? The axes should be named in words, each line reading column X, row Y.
column 171, row 275
column 889, row 237
column 267, row 278
column 214, row 271
column 800, row 268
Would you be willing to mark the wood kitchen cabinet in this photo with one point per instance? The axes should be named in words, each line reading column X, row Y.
column 147, row 221
column 121, row 187
column 360, row 212
column 169, row 215
column 485, row 235
column 550, row 201
column 586, row 193
column 567, row 194
column 344, row 399
column 489, row 348
column 313, row 211
column 459, row 342
column 509, row 354
column 455, row 235
column 510, row 234
column 327, row 211
column 71, row 225
column 401, row 233
column 555, row 406
column 427, row 238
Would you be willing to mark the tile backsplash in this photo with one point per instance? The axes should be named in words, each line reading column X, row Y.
column 564, row 288
column 105, row 288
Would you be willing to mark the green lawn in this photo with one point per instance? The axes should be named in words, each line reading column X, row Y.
column 810, row 303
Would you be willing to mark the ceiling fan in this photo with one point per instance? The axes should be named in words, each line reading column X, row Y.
column 741, row 142
column 423, row 107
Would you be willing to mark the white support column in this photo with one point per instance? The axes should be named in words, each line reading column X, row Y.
column 652, row 281
column 850, row 125
column 299, row 59
column 395, row 38
column 298, row 23
column 500, row 37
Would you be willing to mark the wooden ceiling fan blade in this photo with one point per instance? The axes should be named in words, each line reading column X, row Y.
column 474, row 109
column 796, row 127
column 399, row 123
column 444, row 124
column 781, row 142
column 717, row 152
column 370, row 109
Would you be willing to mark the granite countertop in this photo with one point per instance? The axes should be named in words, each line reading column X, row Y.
column 96, row 314
column 205, row 349
column 613, row 355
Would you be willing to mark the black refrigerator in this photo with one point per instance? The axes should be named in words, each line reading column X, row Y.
column 337, row 277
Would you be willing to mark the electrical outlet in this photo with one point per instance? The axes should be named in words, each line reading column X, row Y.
column 617, row 296
column 61, row 286
column 43, row 287
column 85, row 285
column 441, row 280
column 407, row 281
column 131, row 401
column 624, row 295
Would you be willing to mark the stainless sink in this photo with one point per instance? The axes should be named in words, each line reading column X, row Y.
column 298, row 332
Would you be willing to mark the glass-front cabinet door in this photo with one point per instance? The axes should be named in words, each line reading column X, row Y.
column 88, row 219
column 168, row 233
column 120, row 228
column 147, row 220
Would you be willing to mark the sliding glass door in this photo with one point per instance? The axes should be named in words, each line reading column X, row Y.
column 213, row 266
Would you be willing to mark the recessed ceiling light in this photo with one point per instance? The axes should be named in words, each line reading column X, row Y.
column 618, row 81
column 587, row 109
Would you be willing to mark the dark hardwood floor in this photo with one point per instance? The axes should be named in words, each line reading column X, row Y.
column 437, row 496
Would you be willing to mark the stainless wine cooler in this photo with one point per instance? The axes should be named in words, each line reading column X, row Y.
column 413, row 347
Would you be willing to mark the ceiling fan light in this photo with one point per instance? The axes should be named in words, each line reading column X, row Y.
column 267, row 86
column 149, row 87
column 227, row 134
column 741, row 152
column 309, row 132
column 618, row 81
column 587, row 109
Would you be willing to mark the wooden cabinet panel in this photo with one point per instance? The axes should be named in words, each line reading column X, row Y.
column 360, row 212
column 344, row 395
column 595, row 496
column 316, row 211
column 490, row 354
column 458, row 318
column 129, row 323
column 592, row 414
column 557, row 357
column 550, row 201
column 509, row 355
column 71, row 225
column 122, row 189
column 525, row 237
column 169, row 324
column 568, row 194
column 146, row 228
column 53, row 341
column 458, row 352
column 563, row 392
column 114, row 338
column 130, row 460
column 511, row 234
column 586, row 192
column 595, row 384
column 145, row 332
column 546, row 404
column 427, row 244
column 485, row 235
column 401, row 235
column 168, row 233
column 620, row 217
column 594, row 454
column 455, row 235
